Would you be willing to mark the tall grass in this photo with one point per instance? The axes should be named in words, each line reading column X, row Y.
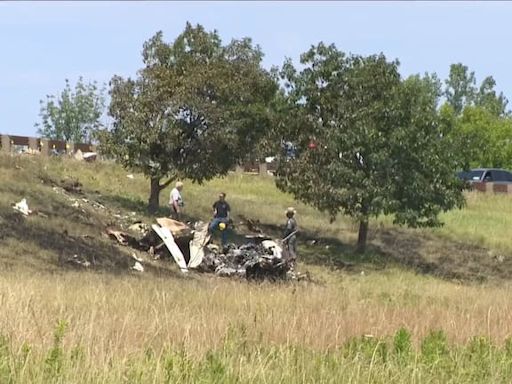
column 89, row 328
column 238, row 360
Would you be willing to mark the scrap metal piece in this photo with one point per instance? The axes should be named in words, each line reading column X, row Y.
column 177, row 228
column 22, row 207
column 197, row 244
column 166, row 235
column 138, row 267
column 121, row 237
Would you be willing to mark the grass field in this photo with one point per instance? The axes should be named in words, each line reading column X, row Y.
column 422, row 306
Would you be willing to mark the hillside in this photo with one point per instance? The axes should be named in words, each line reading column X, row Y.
column 61, row 322
column 474, row 243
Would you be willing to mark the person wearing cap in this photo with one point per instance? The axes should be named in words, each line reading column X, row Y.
column 221, row 210
column 290, row 233
column 176, row 201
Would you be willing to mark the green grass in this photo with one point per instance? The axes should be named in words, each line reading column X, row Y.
column 485, row 221
column 241, row 360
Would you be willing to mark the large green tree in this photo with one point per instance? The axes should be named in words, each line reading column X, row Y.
column 74, row 115
column 369, row 143
column 195, row 109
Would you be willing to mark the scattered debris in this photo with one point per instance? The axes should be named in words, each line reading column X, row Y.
column 177, row 228
column 197, row 244
column 138, row 267
column 273, row 247
column 72, row 186
column 166, row 235
column 78, row 155
column 139, row 227
column 22, row 207
column 82, row 263
column 90, row 156
column 499, row 258
column 260, row 258
column 252, row 261
column 95, row 204
column 121, row 237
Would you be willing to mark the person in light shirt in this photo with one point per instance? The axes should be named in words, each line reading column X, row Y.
column 176, row 201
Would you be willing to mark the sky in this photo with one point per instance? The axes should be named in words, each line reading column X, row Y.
column 44, row 43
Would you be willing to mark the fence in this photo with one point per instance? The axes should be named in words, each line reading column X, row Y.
column 488, row 187
column 10, row 144
column 17, row 144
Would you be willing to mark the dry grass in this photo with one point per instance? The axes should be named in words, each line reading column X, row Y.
column 122, row 315
column 115, row 321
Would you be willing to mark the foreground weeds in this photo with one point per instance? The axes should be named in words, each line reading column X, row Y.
column 377, row 328
column 240, row 359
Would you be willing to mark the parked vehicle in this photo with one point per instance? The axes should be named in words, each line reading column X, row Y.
column 486, row 175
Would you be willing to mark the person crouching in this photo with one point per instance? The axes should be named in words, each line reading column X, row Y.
column 220, row 221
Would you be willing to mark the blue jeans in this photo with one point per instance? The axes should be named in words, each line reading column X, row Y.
column 214, row 224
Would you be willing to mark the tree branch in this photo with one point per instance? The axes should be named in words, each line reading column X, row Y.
column 166, row 184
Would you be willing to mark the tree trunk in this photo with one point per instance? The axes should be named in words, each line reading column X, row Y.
column 363, row 234
column 154, row 195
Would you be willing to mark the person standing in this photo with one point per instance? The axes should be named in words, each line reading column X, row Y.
column 221, row 211
column 176, row 201
column 290, row 233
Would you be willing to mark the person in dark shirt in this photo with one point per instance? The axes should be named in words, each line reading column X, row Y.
column 290, row 233
column 221, row 211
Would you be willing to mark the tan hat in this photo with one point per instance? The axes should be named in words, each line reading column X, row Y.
column 290, row 210
column 179, row 184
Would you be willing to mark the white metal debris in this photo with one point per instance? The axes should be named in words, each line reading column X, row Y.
column 22, row 207
column 138, row 267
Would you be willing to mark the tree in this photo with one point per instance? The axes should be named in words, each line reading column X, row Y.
column 483, row 138
column 74, row 115
column 489, row 100
column 460, row 87
column 194, row 110
column 369, row 143
column 461, row 92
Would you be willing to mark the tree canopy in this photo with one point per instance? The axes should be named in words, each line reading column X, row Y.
column 195, row 109
column 461, row 91
column 369, row 142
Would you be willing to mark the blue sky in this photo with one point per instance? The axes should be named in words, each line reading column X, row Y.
column 43, row 43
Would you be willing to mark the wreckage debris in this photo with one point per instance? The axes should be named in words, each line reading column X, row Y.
column 72, row 186
column 139, row 227
column 22, row 207
column 138, row 267
column 198, row 243
column 85, row 156
column 76, row 261
column 166, row 235
column 264, row 261
column 259, row 259
column 123, row 238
